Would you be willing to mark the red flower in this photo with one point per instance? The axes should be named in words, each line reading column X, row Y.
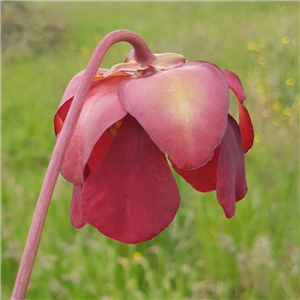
column 134, row 115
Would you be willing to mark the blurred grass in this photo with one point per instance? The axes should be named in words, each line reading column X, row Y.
column 201, row 255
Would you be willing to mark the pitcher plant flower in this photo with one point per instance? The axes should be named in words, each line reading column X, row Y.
column 133, row 117
column 120, row 129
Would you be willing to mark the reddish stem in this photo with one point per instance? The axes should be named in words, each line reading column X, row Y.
column 145, row 57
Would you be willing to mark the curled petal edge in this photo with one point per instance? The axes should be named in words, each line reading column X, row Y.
column 245, row 124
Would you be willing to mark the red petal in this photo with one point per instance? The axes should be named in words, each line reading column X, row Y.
column 101, row 109
column 203, row 179
column 76, row 216
column 247, row 133
column 131, row 196
column 184, row 110
column 231, row 180
column 98, row 153
column 60, row 116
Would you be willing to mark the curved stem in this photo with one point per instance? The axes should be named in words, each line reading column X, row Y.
column 145, row 57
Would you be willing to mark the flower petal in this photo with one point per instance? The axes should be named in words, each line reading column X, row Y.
column 61, row 115
column 101, row 109
column 73, row 85
column 124, row 67
column 131, row 196
column 203, row 179
column 184, row 110
column 167, row 60
column 247, row 133
column 231, row 180
column 71, row 88
column 68, row 95
column 99, row 151
column 162, row 61
column 130, row 57
column 76, row 216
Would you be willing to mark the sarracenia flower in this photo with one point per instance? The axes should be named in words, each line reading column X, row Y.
column 135, row 118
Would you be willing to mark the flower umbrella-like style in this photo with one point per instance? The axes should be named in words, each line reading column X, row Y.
column 135, row 115
column 114, row 130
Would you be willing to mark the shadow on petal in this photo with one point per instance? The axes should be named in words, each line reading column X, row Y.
column 203, row 179
column 131, row 195
column 225, row 172
column 231, row 179
column 101, row 110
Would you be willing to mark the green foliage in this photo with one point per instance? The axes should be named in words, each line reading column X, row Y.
column 201, row 255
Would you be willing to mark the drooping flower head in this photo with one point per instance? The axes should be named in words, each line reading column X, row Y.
column 135, row 118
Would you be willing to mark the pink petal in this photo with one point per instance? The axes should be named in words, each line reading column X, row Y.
column 101, row 109
column 73, row 85
column 203, row 179
column 68, row 95
column 76, row 216
column 184, row 110
column 131, row 196
column 231, row 180
column 71, row 88
column 247, row 133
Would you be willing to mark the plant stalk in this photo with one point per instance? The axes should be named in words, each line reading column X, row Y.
column 145, row 56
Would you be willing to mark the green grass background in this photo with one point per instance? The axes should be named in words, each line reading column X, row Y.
column 202, row 255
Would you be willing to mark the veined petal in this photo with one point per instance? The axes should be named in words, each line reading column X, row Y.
column 247, row 133
column 203, row 179
column 101, row 109
column 76, row 216
column 231, row 180
column 184, row 110
column 131, row 196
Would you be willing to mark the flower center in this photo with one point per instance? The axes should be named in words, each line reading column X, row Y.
column 113, row 129
column 131, row 67
column 146, row 72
